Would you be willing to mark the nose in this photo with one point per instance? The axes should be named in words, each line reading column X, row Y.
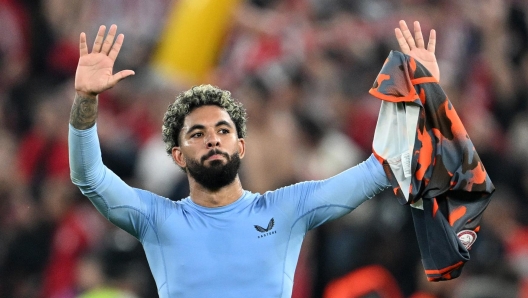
column 212, row 140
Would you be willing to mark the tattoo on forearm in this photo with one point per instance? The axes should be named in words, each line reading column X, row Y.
column 84, row 112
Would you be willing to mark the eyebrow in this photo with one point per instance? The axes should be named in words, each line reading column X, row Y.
column 201, row 126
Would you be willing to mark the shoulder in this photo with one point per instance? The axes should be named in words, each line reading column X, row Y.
column 153, row 199
column 288, row 194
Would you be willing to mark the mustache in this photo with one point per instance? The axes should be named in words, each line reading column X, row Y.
column 213, row 152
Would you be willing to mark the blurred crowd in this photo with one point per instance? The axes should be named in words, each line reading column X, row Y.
column 303, row 69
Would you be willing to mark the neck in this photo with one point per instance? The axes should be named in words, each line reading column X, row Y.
column 217, row 198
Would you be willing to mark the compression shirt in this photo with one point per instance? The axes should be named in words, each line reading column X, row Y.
column 248, row 248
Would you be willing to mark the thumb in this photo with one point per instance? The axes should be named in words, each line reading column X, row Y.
column 119, row 76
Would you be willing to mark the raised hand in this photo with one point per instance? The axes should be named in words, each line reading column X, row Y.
column 95, row 70
column 415, row 46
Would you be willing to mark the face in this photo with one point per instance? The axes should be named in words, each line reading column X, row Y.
column 210, row 149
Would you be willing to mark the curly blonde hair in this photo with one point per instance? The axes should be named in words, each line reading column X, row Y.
column 196, row 97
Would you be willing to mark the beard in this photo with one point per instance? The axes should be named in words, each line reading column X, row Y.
column 216, row 175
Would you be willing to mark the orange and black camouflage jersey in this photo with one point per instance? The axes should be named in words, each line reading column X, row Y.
column 431, row 164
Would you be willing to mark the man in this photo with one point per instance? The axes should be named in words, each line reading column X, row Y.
column 221, row 241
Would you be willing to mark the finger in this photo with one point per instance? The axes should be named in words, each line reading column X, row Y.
column 418, row 37
column 83, row 48
column 116, row 47
column 407, row 34
column 119, row 76
column 99, row 39
column 404, row 47
column 431, row 46
column 109, row 40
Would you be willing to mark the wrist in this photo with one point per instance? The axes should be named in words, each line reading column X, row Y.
column 87, row 95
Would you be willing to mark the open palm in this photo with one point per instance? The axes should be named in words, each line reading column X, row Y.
column 94, row 71
column 415, row 46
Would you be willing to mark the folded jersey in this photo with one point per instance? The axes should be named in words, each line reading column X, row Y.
column 431, row 163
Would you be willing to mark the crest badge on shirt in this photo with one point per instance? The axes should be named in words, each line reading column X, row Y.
column 266, row 231
column 467, row 237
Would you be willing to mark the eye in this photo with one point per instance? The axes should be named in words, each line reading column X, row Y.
column 224, row 131
column 196, row 135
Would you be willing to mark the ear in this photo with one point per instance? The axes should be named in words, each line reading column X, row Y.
column 241, row 148
column 178, row 158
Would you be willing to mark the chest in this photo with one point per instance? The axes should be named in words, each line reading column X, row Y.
column 236, row 239
column 227, row 233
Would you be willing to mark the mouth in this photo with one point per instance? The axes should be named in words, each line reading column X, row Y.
column 215, row 155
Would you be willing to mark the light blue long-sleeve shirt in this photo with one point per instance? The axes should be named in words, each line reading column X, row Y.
column 248, row 248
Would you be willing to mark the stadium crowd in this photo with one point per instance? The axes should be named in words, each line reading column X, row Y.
column 303, row 69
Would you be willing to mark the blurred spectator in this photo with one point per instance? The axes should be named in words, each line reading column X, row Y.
column 14, row 44
column 368, row 281
column 268, row 125
column 44, row 149
column 94, row 281
column 79, row 229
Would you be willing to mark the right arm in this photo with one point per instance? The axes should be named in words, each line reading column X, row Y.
column 121, row 204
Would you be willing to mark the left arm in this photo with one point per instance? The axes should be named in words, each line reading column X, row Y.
column 319, row 201
column 315, row 202
column 339, row 195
